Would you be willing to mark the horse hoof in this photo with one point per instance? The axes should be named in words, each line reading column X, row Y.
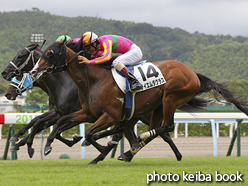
column 13, row 139
column 47, row 150
column 123, row 157
column 179, row 158
column 14, row 148
column 85, row 143
column 93, row 162
column 77, row 138
column 31, row 152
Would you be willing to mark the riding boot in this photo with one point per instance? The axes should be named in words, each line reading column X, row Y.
column 134, row 83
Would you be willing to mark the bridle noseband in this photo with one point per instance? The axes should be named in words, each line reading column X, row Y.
column 25, row 84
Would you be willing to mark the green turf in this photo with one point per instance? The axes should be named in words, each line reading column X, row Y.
column 114, row 173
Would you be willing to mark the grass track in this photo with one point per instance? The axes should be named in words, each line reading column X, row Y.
column 113, row 172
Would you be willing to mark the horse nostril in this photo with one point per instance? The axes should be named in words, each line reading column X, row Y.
column 8, row 95
column 4, row 73
column 33, row 72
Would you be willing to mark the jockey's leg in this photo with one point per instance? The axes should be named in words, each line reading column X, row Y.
column 132, row 56
column 134, row 83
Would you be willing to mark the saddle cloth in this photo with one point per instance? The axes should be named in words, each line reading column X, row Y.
column 147, row 74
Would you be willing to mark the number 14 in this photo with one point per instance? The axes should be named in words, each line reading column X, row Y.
column 151, row 71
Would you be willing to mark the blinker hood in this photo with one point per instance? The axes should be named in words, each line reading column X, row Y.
column 57, row 55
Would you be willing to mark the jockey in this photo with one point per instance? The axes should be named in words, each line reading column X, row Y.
column 62, row 37
column 104, row 46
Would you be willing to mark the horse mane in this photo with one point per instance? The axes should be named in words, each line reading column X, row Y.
column 76, row 47
column 108, row 64
column 35, row 46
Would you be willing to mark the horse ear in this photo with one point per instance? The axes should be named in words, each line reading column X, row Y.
column 65, row 39
column 44, row 41
column 62, row 41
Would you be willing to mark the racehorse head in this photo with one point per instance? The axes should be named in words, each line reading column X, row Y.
column 52, row 60
column 22, row 62
column 18, row 87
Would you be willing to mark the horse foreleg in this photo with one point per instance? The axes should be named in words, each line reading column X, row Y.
column 103, row 122
column 129, row 134
column 38, row 127
column 17, row 146
column 65, row 123
column 131, row 137
column 115, row 130
column 112, row 144
column 69, row 143
column 14, row 138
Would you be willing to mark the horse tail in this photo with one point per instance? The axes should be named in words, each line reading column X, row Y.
column 208, row 85
column 195, row 104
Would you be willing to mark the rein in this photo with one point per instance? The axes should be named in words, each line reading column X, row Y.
column 65, row 66
column 88, row 82
column 86, row 70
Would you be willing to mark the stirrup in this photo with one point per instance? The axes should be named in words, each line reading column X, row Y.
column 137, row 88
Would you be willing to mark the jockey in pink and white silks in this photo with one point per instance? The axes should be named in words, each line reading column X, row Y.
column 104, row 46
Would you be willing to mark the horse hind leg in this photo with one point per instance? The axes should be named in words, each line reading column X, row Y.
column 145, row 138
column 166, row 137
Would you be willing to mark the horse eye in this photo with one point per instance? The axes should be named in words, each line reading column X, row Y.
column 50, row 54
column 19, row 56
column 19, row 77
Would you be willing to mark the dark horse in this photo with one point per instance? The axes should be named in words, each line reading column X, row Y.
column 59, row 95
column 99, row 94
column 62, row 100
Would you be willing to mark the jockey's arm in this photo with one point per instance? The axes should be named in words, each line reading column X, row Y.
column 107, row 53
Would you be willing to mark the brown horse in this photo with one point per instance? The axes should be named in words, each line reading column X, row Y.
column 100, row 96
column 64, row 98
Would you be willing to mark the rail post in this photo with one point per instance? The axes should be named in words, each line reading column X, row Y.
column 13, row 153
column 231, row 144
column 235, row 135
column 214, row 135
column 238, row 139
column 121, row 148
column 7, row 143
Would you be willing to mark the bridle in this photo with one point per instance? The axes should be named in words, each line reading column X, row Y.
column 18, row 70
column 25, row 83
column 63, row 67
